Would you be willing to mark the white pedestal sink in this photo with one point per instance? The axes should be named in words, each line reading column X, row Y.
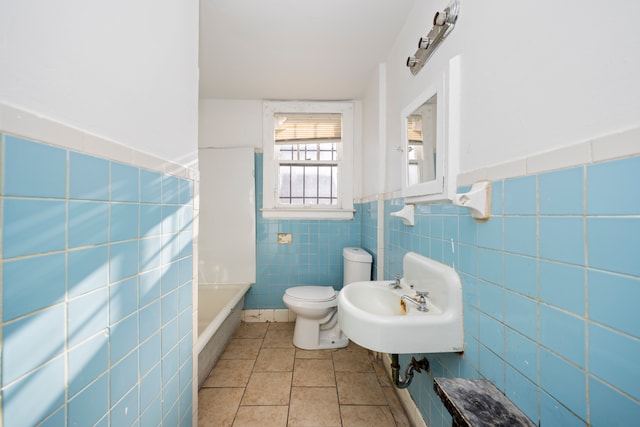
column 371, row 314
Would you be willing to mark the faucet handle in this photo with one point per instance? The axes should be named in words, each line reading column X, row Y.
column 422, row 294
column 396, row 284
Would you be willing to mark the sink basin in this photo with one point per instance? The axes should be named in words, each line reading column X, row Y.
column 371, row 314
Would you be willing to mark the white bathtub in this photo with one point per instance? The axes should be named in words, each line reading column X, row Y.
column 219, row 315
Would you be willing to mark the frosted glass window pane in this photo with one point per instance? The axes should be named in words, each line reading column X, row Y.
column 297, row 181
column 311, row 182
column 285, row 181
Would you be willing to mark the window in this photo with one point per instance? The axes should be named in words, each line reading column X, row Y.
column 306, row 149
column 308, row 160
column 414, row 156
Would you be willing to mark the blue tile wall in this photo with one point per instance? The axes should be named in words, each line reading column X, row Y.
column 87, row 315
column 562, row 192
column 31, row 397
column 369, row 223
column 88, row 223
column 37, row 170
column 124, row 183
column 91, row 404
column 550, row 290
column 96, row 290
column 23, row 281
column 88, row 361
column 87, row 269
column 32, row 226
column 313, row 258
column 88, row 177
column 46, row 328
column 613, row 244
column 609, row 185
column 605, row 290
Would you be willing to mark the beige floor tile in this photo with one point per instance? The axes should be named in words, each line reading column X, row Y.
column 275, row 359
column 230, row 373
column 314, row 373
column 352, row 361
column 366, row 416
column 242, row 348
column 381, row 373
column 314, row 406
column 359, row 388
column 252, row 384
column 399, row 415
column 268, row 388
column 251, row 330
column 261, row 416
column 217, row 406
column 355, row 347
column 278, row 338
column 313, row 354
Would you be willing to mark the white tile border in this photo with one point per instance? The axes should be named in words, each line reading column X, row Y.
column 506, row 170
column 608, row 147
column 28, row 125
column 371, row 198
column 623, row 144
column 280, row 315
column 573, row 155
column 275, row 315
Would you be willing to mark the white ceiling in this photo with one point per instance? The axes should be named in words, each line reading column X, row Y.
column 294, row 49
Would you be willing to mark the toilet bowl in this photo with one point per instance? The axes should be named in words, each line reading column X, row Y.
column 316, row 307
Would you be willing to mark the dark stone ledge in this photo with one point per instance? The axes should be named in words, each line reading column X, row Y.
column 477, row 403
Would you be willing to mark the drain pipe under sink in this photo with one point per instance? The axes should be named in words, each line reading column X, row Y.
column 413, row 366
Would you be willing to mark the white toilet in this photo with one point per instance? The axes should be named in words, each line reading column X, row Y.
column 316, row 307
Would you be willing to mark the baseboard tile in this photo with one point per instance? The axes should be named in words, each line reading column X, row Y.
column 276, row 315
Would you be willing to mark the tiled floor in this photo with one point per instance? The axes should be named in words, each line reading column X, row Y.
column 263, row 380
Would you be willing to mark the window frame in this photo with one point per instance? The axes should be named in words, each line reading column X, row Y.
column 270, row 179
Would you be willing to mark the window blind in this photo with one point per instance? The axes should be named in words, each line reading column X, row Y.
column 307, row 128
column 414, row 129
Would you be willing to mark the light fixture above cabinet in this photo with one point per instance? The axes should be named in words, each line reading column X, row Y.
column 443, row 23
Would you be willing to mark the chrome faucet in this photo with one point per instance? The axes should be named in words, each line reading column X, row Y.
column 419, row 300
column 396, row 284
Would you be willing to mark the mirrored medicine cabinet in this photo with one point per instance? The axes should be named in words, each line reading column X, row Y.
column 430, row 133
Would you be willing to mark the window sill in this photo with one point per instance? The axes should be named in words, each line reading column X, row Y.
column 340, row 214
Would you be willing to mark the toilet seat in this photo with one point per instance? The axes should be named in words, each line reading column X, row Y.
column 312, row 293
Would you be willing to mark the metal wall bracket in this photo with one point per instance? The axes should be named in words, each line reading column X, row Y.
column 443, row 23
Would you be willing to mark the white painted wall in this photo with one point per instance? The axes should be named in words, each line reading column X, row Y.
column 230, row 123
column 536, row 75
column 125, row 71
column 372, row 141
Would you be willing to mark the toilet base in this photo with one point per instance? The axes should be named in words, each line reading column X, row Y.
column 310, row 335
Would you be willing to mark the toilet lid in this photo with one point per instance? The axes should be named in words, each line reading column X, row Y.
column 312, row 293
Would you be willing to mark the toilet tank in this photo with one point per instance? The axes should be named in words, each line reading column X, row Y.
column 357, row 265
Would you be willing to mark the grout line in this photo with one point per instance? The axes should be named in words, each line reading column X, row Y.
column 273, row 327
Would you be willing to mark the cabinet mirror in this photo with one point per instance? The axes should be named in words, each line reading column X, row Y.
column 429, row 141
